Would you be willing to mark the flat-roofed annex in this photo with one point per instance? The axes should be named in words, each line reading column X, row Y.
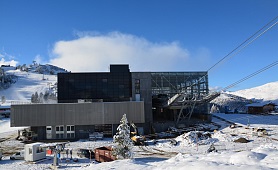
column 76, row 113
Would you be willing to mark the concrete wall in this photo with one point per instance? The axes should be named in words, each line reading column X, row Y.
column 76, row 113
column 145, row 94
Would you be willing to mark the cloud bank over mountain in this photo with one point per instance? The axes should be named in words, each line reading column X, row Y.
column 95, row 52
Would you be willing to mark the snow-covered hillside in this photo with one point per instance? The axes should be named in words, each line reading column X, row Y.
column 28, row 84
column 30, row 80
column 229, row 101
column 265, row 92
column 237, row 100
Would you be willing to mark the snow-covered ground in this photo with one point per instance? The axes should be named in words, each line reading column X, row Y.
column 5, row 127
column 190, row 152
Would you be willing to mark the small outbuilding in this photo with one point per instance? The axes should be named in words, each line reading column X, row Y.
column 34, row 152
column 258, row 108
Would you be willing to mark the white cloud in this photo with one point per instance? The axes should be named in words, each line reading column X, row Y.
column 215, row 88
column 11, row 62
column 7, row 59
column 95, row 52
column 39, row 59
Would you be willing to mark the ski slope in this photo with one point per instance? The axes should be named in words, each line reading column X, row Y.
column 28, row 83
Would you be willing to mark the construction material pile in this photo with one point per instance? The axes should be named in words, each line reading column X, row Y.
column 194, row 138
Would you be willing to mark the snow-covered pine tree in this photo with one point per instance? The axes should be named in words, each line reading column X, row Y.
column 213, row 109
column 123, row 147
column 3, row 99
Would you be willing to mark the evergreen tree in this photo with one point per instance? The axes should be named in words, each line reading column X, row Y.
column 36, row 98
column 40, row 99
column 123, row 147
column 213, row 109
column 33, row 100
column 46, row 96
column 3, row 99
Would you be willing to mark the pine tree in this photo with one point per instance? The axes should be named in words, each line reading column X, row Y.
column 123, row 147
column 40, row 99
column 214, row 109
column 3, row 99
column 35, row 98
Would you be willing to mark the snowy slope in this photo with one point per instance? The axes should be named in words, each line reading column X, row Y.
column 239, row 99
column 31, row 79
column 27, row 84
column 266, row 92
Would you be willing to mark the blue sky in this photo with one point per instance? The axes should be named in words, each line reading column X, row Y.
column 149, row 35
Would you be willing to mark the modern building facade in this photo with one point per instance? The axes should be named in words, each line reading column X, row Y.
column 89, row 102
column 75, row 120
column 113, row 86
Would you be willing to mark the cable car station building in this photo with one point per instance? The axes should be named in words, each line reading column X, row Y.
column 96, row 102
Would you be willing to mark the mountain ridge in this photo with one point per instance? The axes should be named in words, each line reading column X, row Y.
column 268, row 91
column 237, row 101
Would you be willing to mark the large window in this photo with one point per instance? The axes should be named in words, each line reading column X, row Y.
column 60, row 132
column 114, row 86
column 70, row 131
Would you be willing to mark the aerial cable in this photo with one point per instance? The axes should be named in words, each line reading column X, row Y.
column 235, row 51
column 247, row 42
column 251, row 75
column 254, row 39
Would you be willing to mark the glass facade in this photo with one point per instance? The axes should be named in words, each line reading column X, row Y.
column 109, row 87
column 168, row 85
column 171, row 83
